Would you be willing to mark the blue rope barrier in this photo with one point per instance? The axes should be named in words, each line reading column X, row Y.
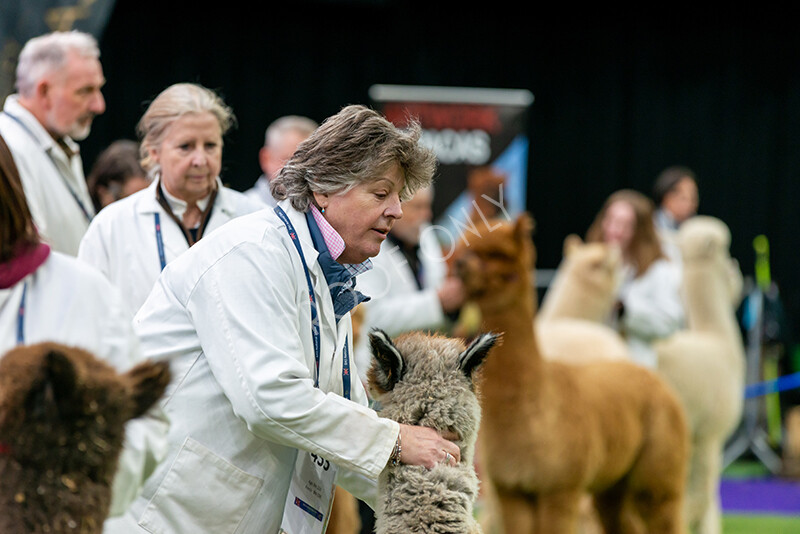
column 772, row 386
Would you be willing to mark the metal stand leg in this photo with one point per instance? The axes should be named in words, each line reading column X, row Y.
column 751, row 434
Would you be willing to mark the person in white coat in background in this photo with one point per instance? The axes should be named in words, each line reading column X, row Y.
column 58, row 80
column 649, row 305
column 280, row 141
column 46, row 295
column 132, row 239
column 409, row 285
column 266, row 417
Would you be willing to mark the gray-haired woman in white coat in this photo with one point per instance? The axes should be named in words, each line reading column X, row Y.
column 131, row 240
column 266, row 410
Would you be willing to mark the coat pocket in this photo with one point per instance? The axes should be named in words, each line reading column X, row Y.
column 201, row 493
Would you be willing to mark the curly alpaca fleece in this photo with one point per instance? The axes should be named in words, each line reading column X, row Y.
column 427, row 380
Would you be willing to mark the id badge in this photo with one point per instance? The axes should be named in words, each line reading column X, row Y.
column 308, row 503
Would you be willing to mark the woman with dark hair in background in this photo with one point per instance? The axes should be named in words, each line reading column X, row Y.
column 649, row 305
column 116, row 174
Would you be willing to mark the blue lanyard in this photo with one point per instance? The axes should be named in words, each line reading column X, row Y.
column 71, row 191
column 314, row 319
column 346, row 369
column 160, row 242
column 21, row 317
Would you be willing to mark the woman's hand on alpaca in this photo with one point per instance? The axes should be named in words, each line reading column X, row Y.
column 425, row 446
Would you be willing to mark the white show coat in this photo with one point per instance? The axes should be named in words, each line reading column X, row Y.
column 49, row 178
column 653, row 308
column 397, row 304
column 261, row 192
column 233, row 316
column 70, row 303
column 121, row 241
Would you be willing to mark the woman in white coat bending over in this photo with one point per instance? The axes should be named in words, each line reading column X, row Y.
column 131, row 240
column 266, row 409
column 49, row 296
column 649, row 304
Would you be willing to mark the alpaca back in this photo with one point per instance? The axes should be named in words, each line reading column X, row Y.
column 427, row 380
column 62, row 425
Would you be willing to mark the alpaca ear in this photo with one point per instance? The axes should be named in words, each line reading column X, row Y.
column 523, row 227
column 571, row 242
column 473, row 357
column 54, row 394
column 387, row 368
column 148, row 381
column 523, row 236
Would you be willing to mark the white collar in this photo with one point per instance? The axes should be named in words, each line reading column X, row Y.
column 179, row 205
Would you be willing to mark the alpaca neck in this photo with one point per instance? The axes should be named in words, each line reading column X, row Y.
column 708, row 305
column 515, row 364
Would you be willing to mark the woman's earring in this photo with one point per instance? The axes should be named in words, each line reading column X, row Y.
column 323, row 211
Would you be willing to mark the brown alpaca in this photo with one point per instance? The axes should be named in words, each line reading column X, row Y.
column 554, row 431
column 62, row 424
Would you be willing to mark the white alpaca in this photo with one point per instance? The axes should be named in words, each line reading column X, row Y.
column 706, row 362
column 580, row 296
column 427, row 380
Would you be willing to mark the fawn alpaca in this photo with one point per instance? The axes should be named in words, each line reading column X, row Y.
column 62, row 423
column 554, row 431
column 578, row 299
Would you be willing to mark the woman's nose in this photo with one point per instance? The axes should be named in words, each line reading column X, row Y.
column 394, row 209
column 199, row 158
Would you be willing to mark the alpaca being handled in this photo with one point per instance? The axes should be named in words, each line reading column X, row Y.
column 428, row 380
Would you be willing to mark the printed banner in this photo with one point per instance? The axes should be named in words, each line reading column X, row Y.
column 480, row 138
column 21, row 20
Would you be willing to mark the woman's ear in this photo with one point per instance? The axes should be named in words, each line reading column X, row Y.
column 153, row 153
column 321, row 199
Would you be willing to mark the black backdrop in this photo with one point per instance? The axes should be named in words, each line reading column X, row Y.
column 618, row 95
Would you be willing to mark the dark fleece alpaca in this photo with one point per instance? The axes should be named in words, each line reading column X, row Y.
column 62, row 426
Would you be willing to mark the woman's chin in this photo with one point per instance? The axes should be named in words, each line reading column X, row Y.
column 355, row 257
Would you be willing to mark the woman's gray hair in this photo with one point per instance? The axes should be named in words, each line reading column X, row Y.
column 355, row 146
column 170, row 105
column 48, row 53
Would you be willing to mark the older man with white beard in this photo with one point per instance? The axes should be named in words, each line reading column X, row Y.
column 59, row 78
